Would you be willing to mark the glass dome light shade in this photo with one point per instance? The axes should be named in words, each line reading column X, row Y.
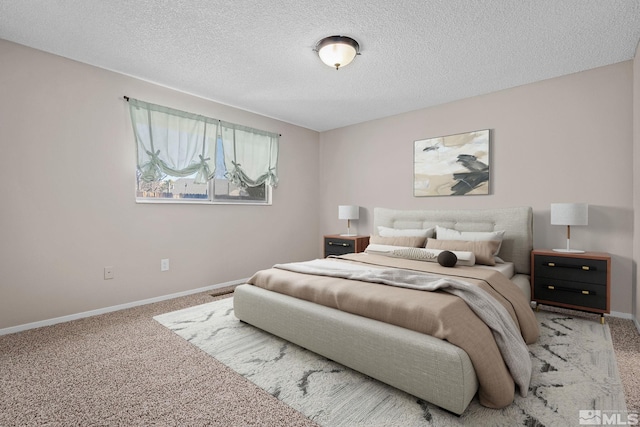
column 337, row 51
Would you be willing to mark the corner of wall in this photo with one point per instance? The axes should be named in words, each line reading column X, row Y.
column 636, row 185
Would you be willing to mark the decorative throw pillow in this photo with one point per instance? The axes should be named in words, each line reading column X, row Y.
column 447, row 259
column 398, row 232
column 443, row 233
column 483, row 250
column 420, row 254
column 406, row 241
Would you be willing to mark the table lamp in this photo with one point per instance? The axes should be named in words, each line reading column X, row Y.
column 348, row 212
column 569, row 214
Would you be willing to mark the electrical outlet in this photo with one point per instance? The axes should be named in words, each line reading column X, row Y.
column 164, row 264
column 108, row 273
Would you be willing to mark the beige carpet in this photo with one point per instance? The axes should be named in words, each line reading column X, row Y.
column 123, row 368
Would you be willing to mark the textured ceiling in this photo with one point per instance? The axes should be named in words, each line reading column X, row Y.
column 258, row 55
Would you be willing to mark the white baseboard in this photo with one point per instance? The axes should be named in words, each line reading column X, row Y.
column 621, row 315
column 49, row 322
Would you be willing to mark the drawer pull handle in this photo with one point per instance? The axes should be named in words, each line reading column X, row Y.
column 570, row 266
column 338, row 244
column 561, row 289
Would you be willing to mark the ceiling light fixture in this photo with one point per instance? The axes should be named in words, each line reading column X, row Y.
column 337, row 51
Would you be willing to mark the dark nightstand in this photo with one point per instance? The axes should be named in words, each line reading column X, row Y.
column 570, row 280
column 340, row 245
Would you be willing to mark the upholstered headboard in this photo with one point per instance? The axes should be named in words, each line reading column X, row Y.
column 516, row 222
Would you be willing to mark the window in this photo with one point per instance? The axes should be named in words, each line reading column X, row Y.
column 187, row 158
column 219, row 189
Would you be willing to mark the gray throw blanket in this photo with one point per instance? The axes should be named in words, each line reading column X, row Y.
column 506, row 333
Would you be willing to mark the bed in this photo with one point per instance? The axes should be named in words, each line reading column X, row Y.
column 432, row 368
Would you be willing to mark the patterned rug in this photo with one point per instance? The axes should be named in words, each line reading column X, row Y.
column 574, row 369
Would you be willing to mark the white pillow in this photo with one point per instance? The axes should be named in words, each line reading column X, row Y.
column 405, row 232
column 471, row 236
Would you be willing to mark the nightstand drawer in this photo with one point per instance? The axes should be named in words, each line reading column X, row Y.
column 580, row 281
column 573, row 269
column 338, row 246
column 580, row 294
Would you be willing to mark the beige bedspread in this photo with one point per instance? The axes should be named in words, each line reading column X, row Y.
column 439, row 314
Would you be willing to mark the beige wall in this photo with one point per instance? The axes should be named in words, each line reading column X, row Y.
column 68, row 172
column 564, row 139
column 567, row 139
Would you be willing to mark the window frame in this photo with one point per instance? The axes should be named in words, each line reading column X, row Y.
column 156, row 157
column 210, row 200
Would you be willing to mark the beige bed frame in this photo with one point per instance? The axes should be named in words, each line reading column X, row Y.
column 426, row 367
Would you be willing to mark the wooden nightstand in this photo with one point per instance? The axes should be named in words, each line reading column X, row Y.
column 340, row 245
column 570, row 280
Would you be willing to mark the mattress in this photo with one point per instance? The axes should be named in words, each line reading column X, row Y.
column 506, row 268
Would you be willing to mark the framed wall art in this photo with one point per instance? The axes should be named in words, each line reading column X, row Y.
column 453, row 165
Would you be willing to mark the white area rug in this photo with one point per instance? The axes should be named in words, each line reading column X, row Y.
column 574, row 369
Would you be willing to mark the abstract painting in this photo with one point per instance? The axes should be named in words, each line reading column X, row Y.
column 454, row 165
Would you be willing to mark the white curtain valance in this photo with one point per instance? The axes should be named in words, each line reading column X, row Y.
column 251, row 157
column 179, row 143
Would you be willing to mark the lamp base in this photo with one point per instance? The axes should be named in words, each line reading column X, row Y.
column 349, row 234
column 570, row 251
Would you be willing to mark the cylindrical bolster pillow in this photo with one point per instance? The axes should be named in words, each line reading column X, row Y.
column 422, row 254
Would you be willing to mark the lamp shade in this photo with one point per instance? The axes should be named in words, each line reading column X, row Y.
column 348, row 212
column 337, row 51
column 569, row 214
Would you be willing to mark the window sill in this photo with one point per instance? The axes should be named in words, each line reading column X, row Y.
column 197, row 202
